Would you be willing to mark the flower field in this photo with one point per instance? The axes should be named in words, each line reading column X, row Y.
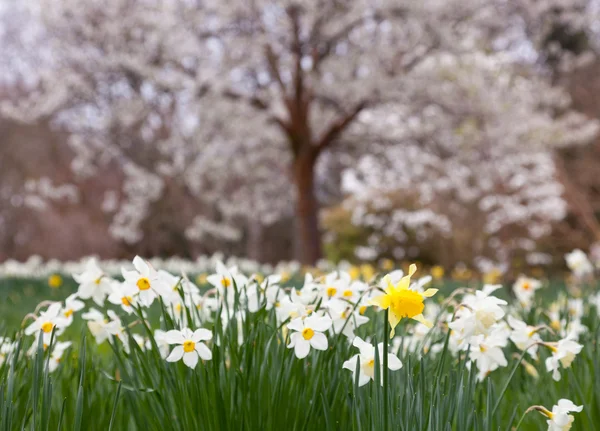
column 176, row 345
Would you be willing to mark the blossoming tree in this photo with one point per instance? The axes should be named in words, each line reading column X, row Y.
column 234, row 104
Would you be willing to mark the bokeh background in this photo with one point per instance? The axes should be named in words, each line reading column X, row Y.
column 452, row 132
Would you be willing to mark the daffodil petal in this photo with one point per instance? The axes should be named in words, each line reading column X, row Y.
column 421, row 319
column 430, row 292
column 412, row 269
column 394, row 320
column 383, row 301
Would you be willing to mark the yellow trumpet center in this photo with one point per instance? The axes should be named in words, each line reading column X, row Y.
column 188, row 346
column 143, row 283
column 308, row 333
column 68, row 313
column 362, row 309
column 225, row 282
column 406, row 303
column 126, row 301
column 347, row 293
column 331, row 291
column 526, row 286
column 47, row 327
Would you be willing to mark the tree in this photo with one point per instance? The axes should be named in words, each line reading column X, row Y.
column 235, row 106
column 304, row 72
column 476, row 165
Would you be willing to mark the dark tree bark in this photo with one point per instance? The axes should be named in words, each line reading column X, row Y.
column 307, row 231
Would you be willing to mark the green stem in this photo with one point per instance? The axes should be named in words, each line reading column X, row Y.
column 385, row 372
column 512, row 373
column 521, row 420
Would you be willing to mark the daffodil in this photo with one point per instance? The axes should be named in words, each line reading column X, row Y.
column 146, row 279
column 189, row 345
column 345, row 319
column 559, row 418
column 72, row 305
column 563, row 353
column 55, row 281
column 123, row 294
column 102, row 328
column 57, row 353
column 161, row 343
column 487, row 353
column 579, row 264
column 402, row 301
column 437, row 272
column 47, row 320
column 524, row 289
column 524, row 336
column 367, row 361
column 93, row 283
column 7, row 347
column 225, row 279
column 480, row 313
column 308, row 333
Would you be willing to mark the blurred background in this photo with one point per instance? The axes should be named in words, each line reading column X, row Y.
column 452, row 132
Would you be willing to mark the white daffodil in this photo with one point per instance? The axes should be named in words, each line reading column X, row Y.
column 286, row 308
column 579, row 264
column 487, row 352
column 563, row 353
column 173, row 284
column 335, row 287
column 575, row 308
column 225, row 281
column 72, row 305
column 573, row 329
column 480, row 313
column 102, row 328
column 123, row 294
column 524, row 336
column 93, row 283
column 57, row 353
column 559, row 418
column 524, row 289
column 367, row 361
column 267, row 292
column 161, row 343
column 309, row 333
column 7, row 347
column 47, row 320
column 189, row 345
column 147, row 281
column 344, row 318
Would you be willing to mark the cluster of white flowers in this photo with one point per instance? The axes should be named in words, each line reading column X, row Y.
column 317, row 316
column 483, row 325
column 35, row 266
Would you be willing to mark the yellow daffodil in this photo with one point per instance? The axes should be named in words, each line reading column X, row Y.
column 402, row 301
column 368, row 272
column 201, row 279
column 437, row 272
column 387, row 264
column 55, row 281
column 354, row 272
column 492, row 276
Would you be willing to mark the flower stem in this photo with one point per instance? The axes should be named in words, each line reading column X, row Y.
column 385, row 372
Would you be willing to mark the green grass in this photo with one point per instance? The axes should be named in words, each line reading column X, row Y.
column 261, row 385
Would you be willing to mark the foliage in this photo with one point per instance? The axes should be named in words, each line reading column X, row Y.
column 253, row 381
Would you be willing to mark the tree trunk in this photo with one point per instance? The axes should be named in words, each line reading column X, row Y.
column 254, row 241
column 307, row 232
